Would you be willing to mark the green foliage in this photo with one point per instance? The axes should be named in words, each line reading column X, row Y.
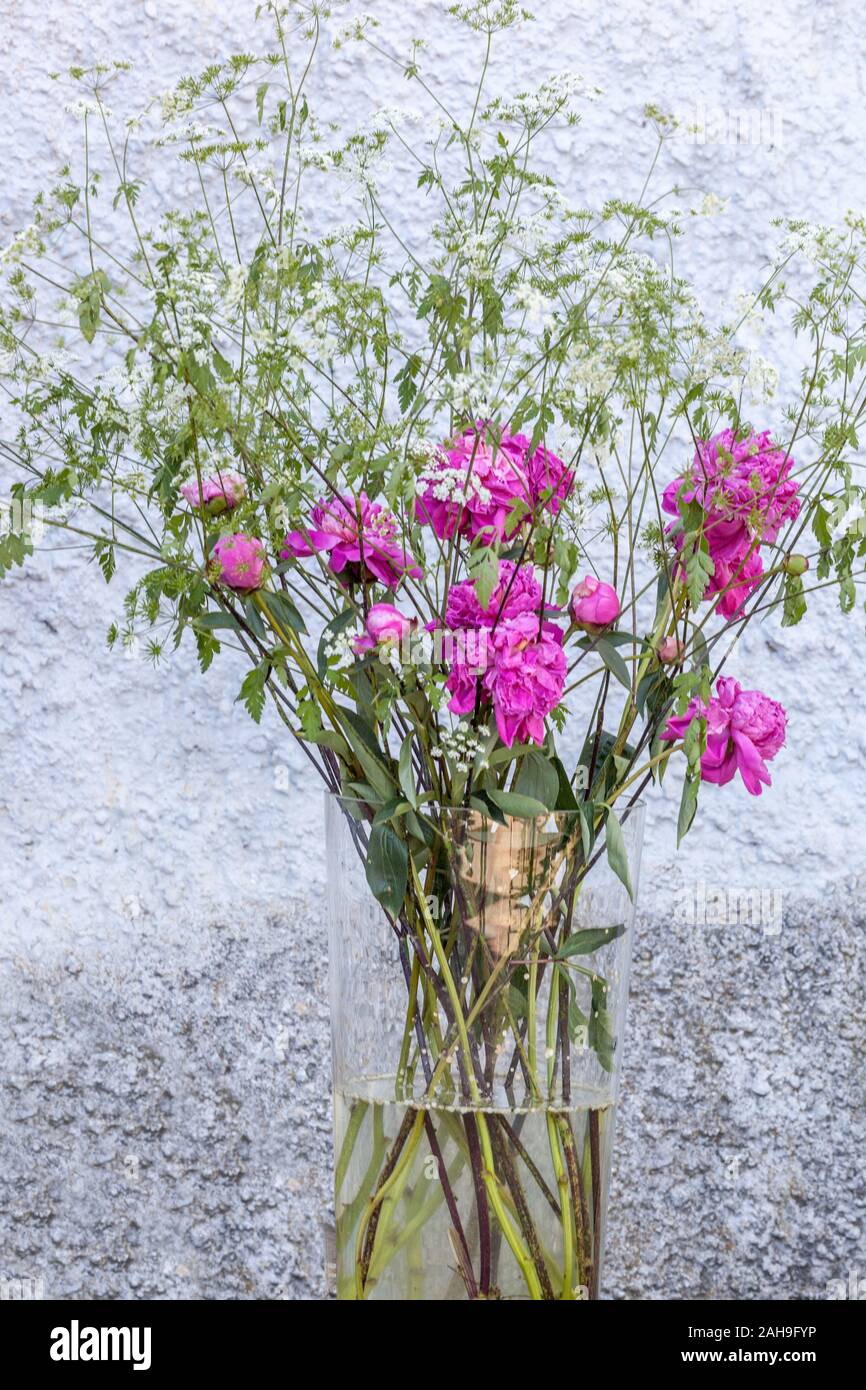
column 252, row 692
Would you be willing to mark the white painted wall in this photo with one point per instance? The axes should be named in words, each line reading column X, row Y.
column 129, row 794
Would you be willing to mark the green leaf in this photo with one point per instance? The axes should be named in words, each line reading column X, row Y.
column 601, row 1036
column 89, row 291
column 587, row 827
column 261, row 91
column 405, row 774
column 581, row 943
column 207, row 648
column 106, row 559
column 565, row 797
column 209, row 622
column 367, row 751
column 613, row 661
column 699, row 569
column 282, row 610
column 254, row 619
column 616, row 855
column 483, row 567
column 688, row 807
column 513, row 804
column 794, row 606
column 538, row 778
column 224, row 367
column 252, row 692
column 387, row 868
column 484, row 806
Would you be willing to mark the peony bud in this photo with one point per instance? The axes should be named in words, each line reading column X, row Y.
column 795, row 564
column 220, row 493
column 671, row 651
column 594, row 605
column 238, row 561
column 385, row 623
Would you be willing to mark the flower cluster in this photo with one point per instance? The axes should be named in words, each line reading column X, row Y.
column 506, row 652
column 745, row 730
column 488, row 484
column 361, row 538
column 746, row 492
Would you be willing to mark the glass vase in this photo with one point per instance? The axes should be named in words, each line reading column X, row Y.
column 477, row 1037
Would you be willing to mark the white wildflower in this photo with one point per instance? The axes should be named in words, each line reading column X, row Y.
column 711, row 206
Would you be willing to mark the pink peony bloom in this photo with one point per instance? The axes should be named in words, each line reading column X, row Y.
column 594, row 604
column 518, row 591
column 745, row 730
column 238, row 561
column 745, row 489
column 527, row 677
column 385, row 623
column 225, row 488
column 474, row 486
column 671, row 650
column 470, row 653
column 506, row 653
column 362, row 538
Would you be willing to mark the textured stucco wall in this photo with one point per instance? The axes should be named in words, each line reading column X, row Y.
column 161, row 858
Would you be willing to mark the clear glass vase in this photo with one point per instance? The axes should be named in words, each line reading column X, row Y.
column 477, row 1043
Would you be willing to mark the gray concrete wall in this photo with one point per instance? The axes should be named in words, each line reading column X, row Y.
column 165, row 1127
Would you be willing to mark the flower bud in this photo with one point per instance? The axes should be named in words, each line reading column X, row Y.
column 795, row 565
column 238, row 561
column 594, row 605
column 385, row 623
column 671, row 651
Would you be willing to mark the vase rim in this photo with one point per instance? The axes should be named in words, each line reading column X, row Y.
column 466, row 811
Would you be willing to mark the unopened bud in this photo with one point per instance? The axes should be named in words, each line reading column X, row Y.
column 795, row 564
column 671, row 650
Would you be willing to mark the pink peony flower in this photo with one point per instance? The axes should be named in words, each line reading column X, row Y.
column 745, row 730
column 238, row 561
column 527, row 677
column 506, row 653
column 594, row 604
column 474, row 486
column 385, row 623
column 744, row 488
column 470, row 653
column 362, row 539
column 224, row 488
column 671, row 650
column 518, row 590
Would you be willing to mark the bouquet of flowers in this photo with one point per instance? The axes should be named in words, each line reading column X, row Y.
column 458, row 468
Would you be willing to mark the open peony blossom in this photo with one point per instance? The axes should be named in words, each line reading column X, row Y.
column 384, row 623
column 745, row 730
column 219, row 493
column 518, row 591
column 594, row 604
column 473, row 487
column 527, row 677
column 238, row 561
column 745, row 489
column 502, row 652
column 362, row 539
